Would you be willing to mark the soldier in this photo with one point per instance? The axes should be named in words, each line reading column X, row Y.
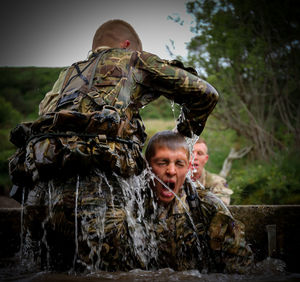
column 75, row 159
column 212, row 238
column 204, row 179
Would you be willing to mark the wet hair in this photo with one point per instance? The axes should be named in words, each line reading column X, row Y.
column 112, row 32
column 167, row 138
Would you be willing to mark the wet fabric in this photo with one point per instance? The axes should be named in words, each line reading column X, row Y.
column 93, row 111
column 80, row 223
column 216, row 184
column 95, row 222
column 219, row 246
column 89, row 138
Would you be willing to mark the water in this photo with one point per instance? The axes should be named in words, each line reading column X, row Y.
column 186, row 212
column 265, row 271
column 22, row 219
column 141, row 232
column 76, row 221
column 191, row 142
column 133, row 189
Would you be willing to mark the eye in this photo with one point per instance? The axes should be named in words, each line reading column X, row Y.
column 180, row 163
column 161, row 163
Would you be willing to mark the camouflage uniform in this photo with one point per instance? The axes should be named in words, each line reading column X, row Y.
column 90, row 121
column 216, row 184
column 221, row 245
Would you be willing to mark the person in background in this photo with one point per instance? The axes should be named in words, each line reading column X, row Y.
column 219, row 244
column 205, row 179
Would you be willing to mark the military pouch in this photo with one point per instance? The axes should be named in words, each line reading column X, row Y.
column 17, row 171
column 69, row 121
column 20, row 134
column 106, row 122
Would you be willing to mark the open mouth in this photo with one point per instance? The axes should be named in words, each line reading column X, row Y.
column 170, row 184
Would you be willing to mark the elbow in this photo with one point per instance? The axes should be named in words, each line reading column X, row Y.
column 213, row 93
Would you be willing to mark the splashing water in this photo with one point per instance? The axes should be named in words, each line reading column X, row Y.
column 173, row 110
column 22, row 220
column 97, row 224
column 76, row 222
column 199, row 250
column 133, row 190
column 191, row 142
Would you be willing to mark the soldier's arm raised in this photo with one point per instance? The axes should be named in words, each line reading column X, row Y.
column 182, row 85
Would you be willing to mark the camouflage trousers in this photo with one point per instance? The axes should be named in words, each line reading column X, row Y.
column 79, row 222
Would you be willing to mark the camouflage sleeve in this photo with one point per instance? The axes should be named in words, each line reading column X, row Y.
column 50, row 100
column 227, row 237
column 182, row 85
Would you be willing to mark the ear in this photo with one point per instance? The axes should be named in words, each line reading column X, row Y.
column 125, row 44
column 206, row 158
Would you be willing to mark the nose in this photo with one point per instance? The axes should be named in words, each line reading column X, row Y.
column 171, row 169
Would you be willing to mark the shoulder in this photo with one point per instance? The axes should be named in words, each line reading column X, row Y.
column 213, row 180
column 208, row 197
column 213, row 177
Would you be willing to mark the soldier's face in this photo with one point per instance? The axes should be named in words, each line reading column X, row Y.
column 198, row 159
column 171, row 168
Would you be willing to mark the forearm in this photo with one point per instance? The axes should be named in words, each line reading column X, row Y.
column 197, row 97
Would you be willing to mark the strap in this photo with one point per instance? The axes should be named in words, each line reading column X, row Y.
column 66, row 84
column 80, row 74
column 99, row 56
column 103, row 138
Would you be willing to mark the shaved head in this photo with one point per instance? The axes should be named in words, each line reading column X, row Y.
column 114, row 32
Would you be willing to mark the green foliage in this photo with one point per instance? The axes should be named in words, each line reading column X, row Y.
column 253, row 182
column 24, row 88
column 161, row 108
column 276, row 182
column 249, row 50
column 21, row 90
column 8, row 115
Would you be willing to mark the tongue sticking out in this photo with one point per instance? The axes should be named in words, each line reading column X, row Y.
column 165, row 191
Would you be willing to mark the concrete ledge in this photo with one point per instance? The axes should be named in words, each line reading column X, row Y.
column 271, row 230
column 10, row 231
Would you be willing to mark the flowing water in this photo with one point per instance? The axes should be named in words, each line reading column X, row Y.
column 266, row 271
column 19, row 269
column 141, row 231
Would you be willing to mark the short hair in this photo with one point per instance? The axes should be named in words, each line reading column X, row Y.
column 115, row 31
column 169, row 139
column 200, row 141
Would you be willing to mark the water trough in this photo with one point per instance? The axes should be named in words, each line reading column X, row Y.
column 272, row 230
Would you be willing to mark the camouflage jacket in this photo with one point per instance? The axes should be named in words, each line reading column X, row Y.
column 220, row 244
column 116, row 233
column 216, row 184
column 91, row 116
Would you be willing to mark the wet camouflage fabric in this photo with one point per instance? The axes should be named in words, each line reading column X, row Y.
column 213, row 241
column 216, row 184
column 103, row 234
column 96, row 102
column 221, row 238
column 90, row 122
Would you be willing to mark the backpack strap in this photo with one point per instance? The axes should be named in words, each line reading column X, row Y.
column 85, row 71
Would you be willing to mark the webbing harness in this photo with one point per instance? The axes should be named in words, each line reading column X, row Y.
column 101, row 137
